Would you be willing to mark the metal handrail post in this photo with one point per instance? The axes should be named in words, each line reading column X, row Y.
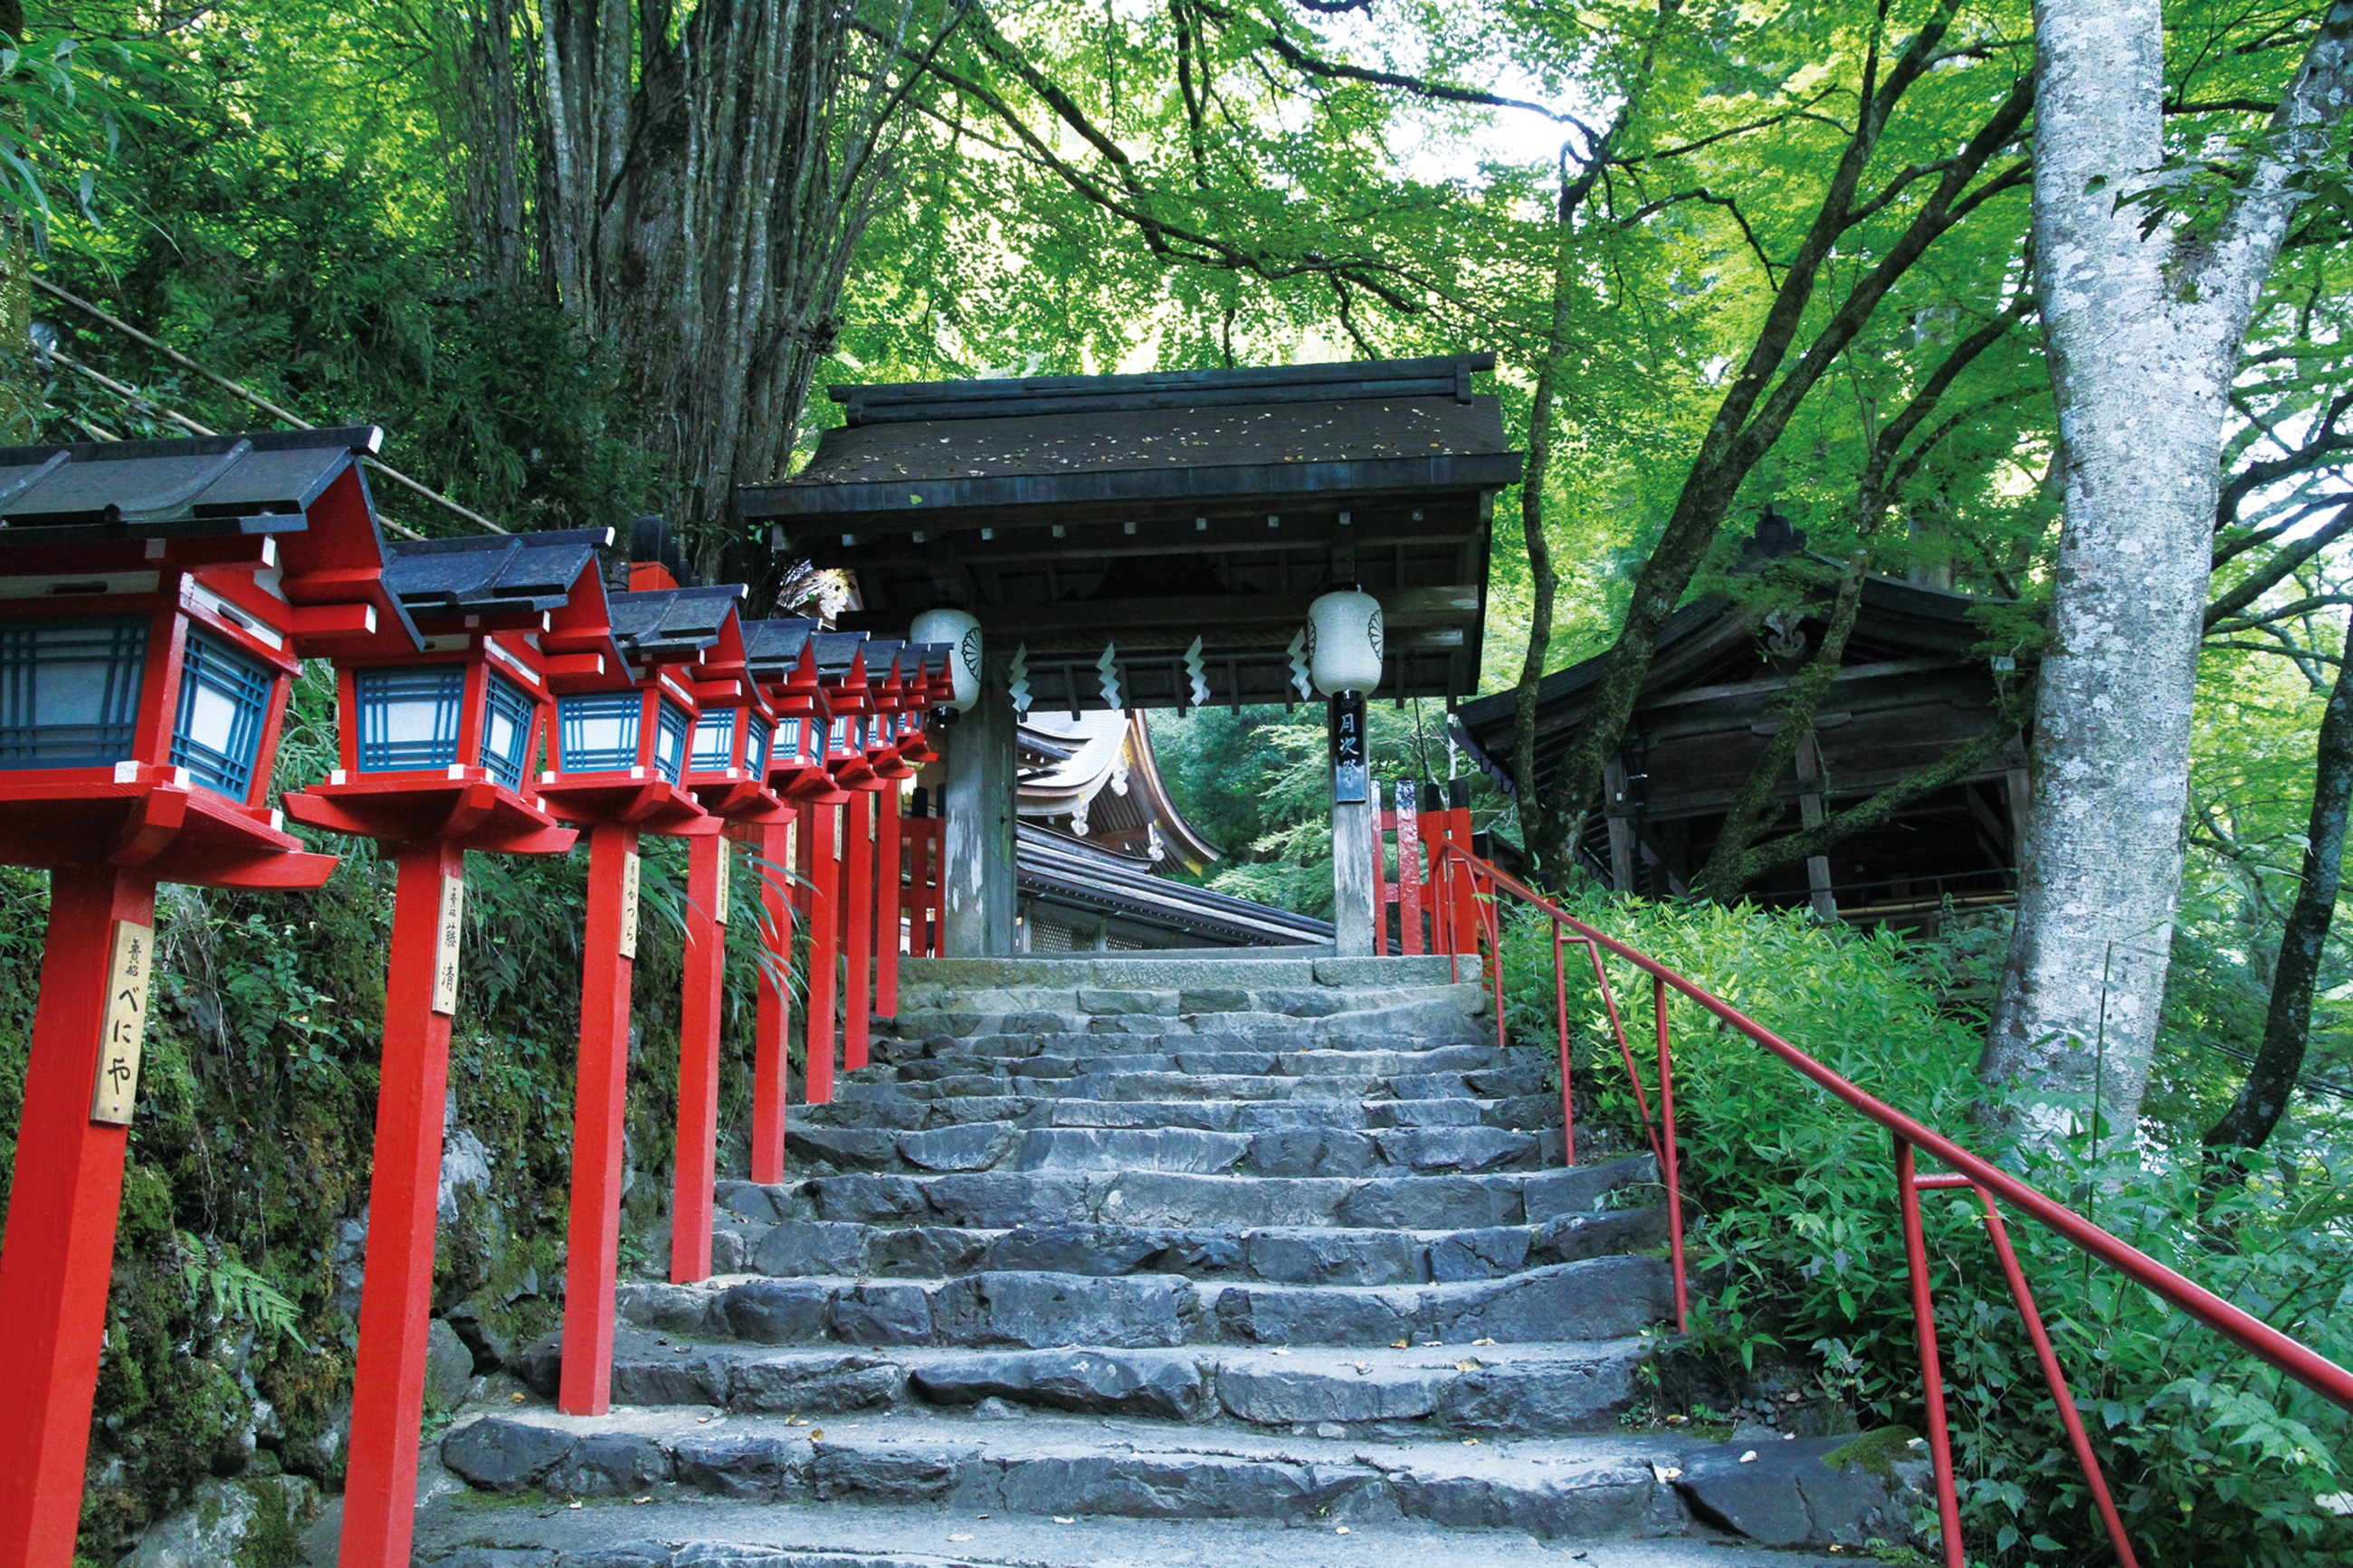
column 1931, row 1376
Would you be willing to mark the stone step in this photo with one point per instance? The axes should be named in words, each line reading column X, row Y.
column 1048, row 1466
column 1003, row 1200
column 1084, row 1007
column 1297, row 1150
column 1062, row 1467
column 1290, row 1255
column 1176, row 969
column 1518, row 1078
column 1018, row 1047
column 1209, row 1062
column 1548, row 1390
column 1528, row 1113
column 669, row 1528
column 1593, row 1298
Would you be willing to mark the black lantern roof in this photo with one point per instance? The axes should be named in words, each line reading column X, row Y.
column 528, row 572
column 771, row 648
column 836, row 651
column 665, row 625
column 258, row 483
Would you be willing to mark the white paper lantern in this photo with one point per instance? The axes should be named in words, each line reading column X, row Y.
column 961, row 635
column 1343, row 642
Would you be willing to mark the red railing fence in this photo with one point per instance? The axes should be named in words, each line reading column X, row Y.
column 1469, row 891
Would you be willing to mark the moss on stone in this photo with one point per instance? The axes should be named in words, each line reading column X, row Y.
column 1878, row 1451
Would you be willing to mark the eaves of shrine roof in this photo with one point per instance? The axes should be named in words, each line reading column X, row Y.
column 1395, row 425
column 1059, row 869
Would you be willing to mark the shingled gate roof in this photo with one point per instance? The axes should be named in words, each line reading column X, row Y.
column 1128, row 515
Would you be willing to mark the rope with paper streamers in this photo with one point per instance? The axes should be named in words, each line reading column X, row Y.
column 1297, row 654
column 1198, row 673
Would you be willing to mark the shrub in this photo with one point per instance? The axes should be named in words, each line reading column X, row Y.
column 1796, row 1249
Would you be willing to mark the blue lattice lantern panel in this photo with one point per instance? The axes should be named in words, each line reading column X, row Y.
column 460, row 717
column 456, row 720
column 727, row 764
column 156, row 598
column 781, row 658
column 622, row 746
column 849, row 704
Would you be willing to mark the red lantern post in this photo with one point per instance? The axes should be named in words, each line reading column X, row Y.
column 849, row 756
column 727, row 770
column 781, row 656
column 436, row 747
column 841, row 676
column 154, row 596
column 900, row 749
column 618, row 769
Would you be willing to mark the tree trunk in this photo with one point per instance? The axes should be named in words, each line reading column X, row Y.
column 2144, row 333
column 2287, row 1026
column 702, row 181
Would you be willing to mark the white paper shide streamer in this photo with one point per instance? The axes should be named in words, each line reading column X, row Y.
column 1107, row 667
column 1018, row 688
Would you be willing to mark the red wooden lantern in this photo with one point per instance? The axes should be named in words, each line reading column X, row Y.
column 727, row 770
column 617, row 768
column 437, row 739
column 781, row 658
column 876, row 771
column 902, row 699
column 154, row 596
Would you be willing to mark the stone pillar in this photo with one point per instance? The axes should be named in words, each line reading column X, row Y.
column 1353, row 803
column 976, row 871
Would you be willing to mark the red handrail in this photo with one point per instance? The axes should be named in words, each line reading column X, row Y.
column 1486, row 884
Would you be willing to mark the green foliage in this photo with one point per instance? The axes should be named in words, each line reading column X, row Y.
column 1257, row 783
column 225, row 1287
column 1797, row 1253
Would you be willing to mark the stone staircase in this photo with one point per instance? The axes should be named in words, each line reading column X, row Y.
column 1099, row 1244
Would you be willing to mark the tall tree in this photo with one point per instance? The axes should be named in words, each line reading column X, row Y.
column 1785, row 361
column 2287, row 1022
column 693, row 180
column 2148, row 276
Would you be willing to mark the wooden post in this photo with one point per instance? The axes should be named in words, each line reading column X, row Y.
column 694, row 1175
column 977, row 878
column 819, row 875
column 1465, row 915
column 858, row 901
column 1809, row 814
column 62, row 1206
column 593, row 1238
column 772, row 1019
column 890, row 866
column 1409, row 857
column 1617, row 812
column 404, row 1190
column 1352, row 885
